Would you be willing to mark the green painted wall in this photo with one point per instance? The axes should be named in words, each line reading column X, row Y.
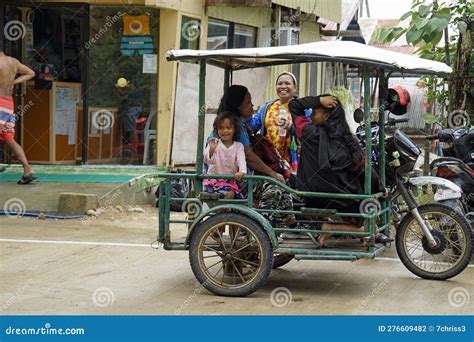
column 252, row 16
column 309, row 32
column 328, row 9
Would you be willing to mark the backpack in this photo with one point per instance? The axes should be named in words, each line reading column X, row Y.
column 179, row 189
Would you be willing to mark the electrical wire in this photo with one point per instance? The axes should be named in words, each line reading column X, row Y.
column 31, row 214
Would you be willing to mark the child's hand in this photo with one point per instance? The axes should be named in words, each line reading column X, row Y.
column 239, row 175
column 213, row 143
column 212, row 146
column 328, row 101
column 308, row 112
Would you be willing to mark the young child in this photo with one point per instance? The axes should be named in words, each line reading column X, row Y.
column 225, row 155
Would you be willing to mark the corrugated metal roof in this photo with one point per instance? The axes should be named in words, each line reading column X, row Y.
column 328, row 9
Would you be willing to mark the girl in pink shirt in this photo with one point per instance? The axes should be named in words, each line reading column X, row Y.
column 225, row 155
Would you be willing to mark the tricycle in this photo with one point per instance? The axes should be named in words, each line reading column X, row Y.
column 233, row 248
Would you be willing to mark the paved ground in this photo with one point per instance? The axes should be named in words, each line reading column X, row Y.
column 108, row 267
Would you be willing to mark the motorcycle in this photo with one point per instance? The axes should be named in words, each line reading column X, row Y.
column 444, row 189
column 456, row 165
column 424, row 231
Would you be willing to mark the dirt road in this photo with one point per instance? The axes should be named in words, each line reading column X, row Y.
column 106, row 266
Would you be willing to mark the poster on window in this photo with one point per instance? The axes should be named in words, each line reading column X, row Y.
column 150, row 64
column 136, row 38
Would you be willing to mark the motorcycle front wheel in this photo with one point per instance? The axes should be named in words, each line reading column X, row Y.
column 452, row 252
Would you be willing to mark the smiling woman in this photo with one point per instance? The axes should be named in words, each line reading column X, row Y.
column 274, row 119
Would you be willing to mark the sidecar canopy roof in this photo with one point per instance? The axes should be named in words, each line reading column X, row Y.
column 324, row 51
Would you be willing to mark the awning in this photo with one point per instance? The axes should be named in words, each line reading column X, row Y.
column 333, row 51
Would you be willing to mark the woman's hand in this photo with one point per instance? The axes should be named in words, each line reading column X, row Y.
column 278, row 177
column 239, row 175
column 284, row 123
column 328, row 101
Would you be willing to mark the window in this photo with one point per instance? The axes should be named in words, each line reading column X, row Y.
column 119, row 42
column 218, row 34
column 226, row 35
column 289, row 36
column 244, row 36
column 190, row 33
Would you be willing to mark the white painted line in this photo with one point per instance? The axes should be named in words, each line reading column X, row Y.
column 89, row 243
column 396, row 259
column 98, row 243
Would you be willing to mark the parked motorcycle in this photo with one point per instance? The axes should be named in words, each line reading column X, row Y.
column 426, row 233
column 457, row 165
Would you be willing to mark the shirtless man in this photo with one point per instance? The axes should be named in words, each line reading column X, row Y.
column 9, row 68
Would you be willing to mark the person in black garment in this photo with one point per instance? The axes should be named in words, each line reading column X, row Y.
column 331, row 160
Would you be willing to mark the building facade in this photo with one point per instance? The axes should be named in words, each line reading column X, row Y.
column 104, row 92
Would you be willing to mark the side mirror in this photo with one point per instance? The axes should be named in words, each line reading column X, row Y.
column 358, row 115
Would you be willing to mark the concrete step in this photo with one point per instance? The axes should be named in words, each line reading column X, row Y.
column 72, row 190
column 44, row 197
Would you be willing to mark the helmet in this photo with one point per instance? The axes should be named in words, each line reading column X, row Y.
column 398, row 99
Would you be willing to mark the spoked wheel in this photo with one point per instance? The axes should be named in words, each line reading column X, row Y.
column 230, row 255
column 452, row 252
column 280, row 260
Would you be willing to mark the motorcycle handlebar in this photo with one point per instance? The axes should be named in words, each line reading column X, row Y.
column 393, row 122
column 445, row 135
column 400, row 120
column 442, row 136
